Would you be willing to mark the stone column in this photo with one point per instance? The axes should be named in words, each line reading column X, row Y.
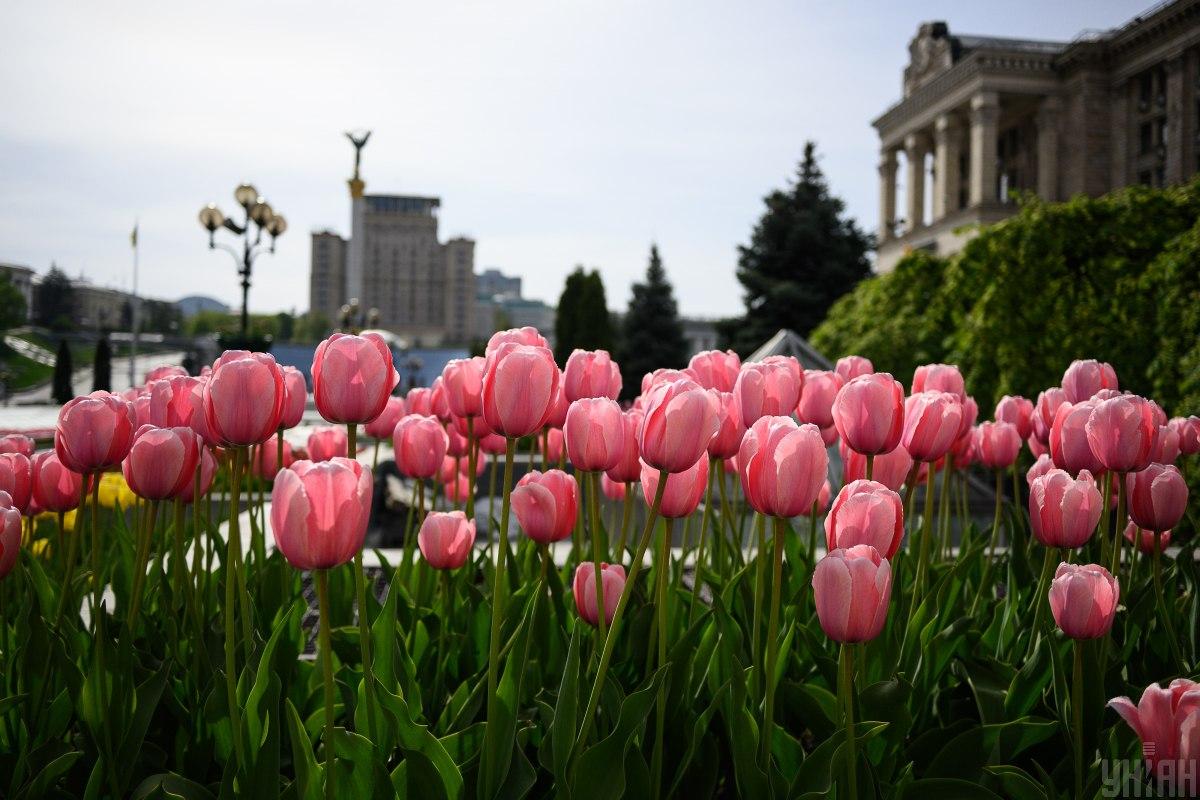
column 985, row 118
column 1047, row 149
column 916, row 146
column 1176, row 114
column 945, row 165
column 887, row 194
column 1119, row 156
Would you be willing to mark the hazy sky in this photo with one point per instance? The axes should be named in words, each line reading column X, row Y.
column 556, row 133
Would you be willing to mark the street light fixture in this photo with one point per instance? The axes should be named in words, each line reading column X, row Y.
column 256, row 210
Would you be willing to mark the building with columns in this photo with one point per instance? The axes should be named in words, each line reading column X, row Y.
column 983, row 118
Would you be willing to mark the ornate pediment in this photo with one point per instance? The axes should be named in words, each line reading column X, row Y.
column 930, row 53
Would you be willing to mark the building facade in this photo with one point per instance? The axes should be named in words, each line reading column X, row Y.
column 499, row 305
column 983, row 118
column 394, row 267
column 21, row 277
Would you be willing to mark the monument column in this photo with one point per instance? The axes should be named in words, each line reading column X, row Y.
column 1047, row 149
column 945, row 165
column 985, row 120
column 916, row 146
column 887, row 194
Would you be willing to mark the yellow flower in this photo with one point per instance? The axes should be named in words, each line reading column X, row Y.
column 52, row 518
column 115, row 492
column 41, row 548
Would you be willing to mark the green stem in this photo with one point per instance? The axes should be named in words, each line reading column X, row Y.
column 1102, row 533
column 69, row 570
column 593, row 490
column 626, row 516
column 589, row 716
column 870, row 466
column 812, row 534
column 1077, row 715
column 145, row 535
column 232, row 549
column 322, row 581
column 1118, row 527
column 846, row 689
column 662, row 569
column 97, row 579
column 471, row 458
column 760, row 585
column 364, row 624
column 987, row 564
column 926, row 535
column 410, row 526
column 1042, row 588
column 1163, row 611
column 498, row 584
column 699, row 560
column 772, row 642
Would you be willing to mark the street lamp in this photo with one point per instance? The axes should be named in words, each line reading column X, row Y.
column 255, row 210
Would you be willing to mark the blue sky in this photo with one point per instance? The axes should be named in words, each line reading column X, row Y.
column 556, row 133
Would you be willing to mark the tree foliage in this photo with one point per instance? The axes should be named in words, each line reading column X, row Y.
column 803, row 255
column 12, row 305
column 61, row 389
column 55, row 301
column 1113, row 278
column 102, row 366
column 651, row 333
column 582, row 320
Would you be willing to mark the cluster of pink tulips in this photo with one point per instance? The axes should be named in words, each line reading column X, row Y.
column 1103, row 485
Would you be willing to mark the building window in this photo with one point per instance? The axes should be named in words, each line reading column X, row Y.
column 1145, row 138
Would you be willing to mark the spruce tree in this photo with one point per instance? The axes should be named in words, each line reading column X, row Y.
column 651, row 333
column 102, row 367
column 55, row 301
column 565, row 316
column 62, row 390
column 803, row 254
column 582, row 320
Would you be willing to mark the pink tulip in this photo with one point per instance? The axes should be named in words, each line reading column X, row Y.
column 418, row 401
column 890, row 469
column 295, row 397
column 546, row 504
column 869, row 413
column 782, row 466
column 478, row 428
column 591, row 373
column 420, row 444
column 55, row 488
column 997, row 444
column 612, row 489
column 1084, row 378
column 94, row 432
column 1045, row 411
column 494, row 444
column 457, row 446
column 170, row 402
column 1188, row 429
column 817, row 396
column 866, row 512
column 141, row 409
column 17, row 443
column 552, row 445
column 265, row 466
column 164, row 372
column 1043, row 465
column 1064, row 510
column 450, row 471
column 680, row 422
column 463, row 380
column 1017, row 411
column 16, row 478
column 939, row 378
column 1144, row 539
column 823, row 498
column 558, row 409
column 326, row 442
column 965, row 450
column 684, row 489
column 932, row 422
column 457, row 487
column 524, row 336
column 767, row 389
column 1083, row 599
column 208, row 471
column 1167, row 722
column 382, row 427
column 352, row 377
column 584, row 589
column 850, row 367
column 518, row 388
column 319, row 512
column 1036, row 447
column 662, row 375
column 731, row 430
column 1121, row 433
column 1165, row 449
column 439, row 404
column 162, row 462
column 446, row 539
column 713, row 369
column 10, row 535
column 852, row 589
column 1157, row 497
column 1069, row 446
column 629, row 468
column 594, row 433
column 243, row 399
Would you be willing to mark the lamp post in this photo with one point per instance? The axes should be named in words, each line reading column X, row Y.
column 258, row 216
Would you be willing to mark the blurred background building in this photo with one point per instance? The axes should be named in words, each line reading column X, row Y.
column 984, row 117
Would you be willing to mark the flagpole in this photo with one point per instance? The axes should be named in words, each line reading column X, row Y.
column 135, row 313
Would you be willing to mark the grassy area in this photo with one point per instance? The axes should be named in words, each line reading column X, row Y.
column 20, row 372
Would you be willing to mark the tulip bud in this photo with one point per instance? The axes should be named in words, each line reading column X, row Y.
column 782, row 466
column 584, row 590
column 518, row 387
column 1016, row 411
column 1083, row 599
column 55, row 488
column 817, row 396
column 683, row 492
column 94, row 432
column 767, row 389
column 546, row 504
column 1121, row 433
column 243, row 399
column 594, row 433
column 1045, row 411
column 1040, row 467
column 524, row 336
column 680, row 422
column 869, row 413
column 17, row 443
column 352, row 377
column 730, row 429
column 629, row 468
column 420, row 444
column 1144, row 540
column 850, row 367
column 591, row 373
column 552, row 444
column 208, row 471
column 713, row 369
column 418, row 401
column 326, row 442
column 866, row 512
column 16, row 478
column 852, row 589
column 463, row 382
column 1165, row 720
column 10, row 535
column 383, row 426
column 161, row 462
column 1188, row 429
column 319, row 512
column 1084, row 378
column 612, row 489
column 1165, row 449
column 939, row 378
column 1064, row 510
column 1157, row 497
column 1069, row 446
column 997, row 444
column 169, row 402
column 890, row 469
column 446, row 539
column 932, row 423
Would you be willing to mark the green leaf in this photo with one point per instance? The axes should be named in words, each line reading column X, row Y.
column 170, row 784
column 1017, row 783
column 564, row 727
column 308, row 774
column 947, row 789
column 600, row 772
